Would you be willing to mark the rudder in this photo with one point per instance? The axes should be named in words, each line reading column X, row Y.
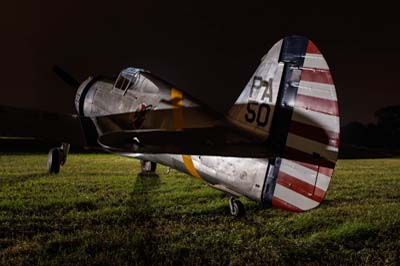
column 304, row 131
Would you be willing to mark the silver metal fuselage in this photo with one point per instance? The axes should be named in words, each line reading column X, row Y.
column 100, row 99
column 277, row 144
column 236, row 176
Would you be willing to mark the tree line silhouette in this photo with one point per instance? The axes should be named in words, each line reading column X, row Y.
column 380, row 139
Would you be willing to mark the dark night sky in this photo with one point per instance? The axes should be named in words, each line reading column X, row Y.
column 208, row 50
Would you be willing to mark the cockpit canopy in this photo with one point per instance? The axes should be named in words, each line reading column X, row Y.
column 127, row 78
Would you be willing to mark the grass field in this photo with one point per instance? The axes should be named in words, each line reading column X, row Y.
column 98, row 211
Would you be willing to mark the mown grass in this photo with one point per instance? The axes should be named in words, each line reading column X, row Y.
column 98, row 211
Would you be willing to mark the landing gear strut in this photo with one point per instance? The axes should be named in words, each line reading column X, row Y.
column 236, row 207
column 57, row 157
column 148, row 167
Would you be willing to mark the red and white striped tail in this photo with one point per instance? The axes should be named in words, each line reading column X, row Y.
column 300, row 186
column 310, row 152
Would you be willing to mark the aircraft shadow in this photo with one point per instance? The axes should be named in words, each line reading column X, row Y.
column 140, row 202
column 141, row 212
column 22, row 178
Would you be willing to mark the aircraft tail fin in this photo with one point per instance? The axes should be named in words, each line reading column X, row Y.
column 254, row 108
column 304, row 130
column 296, row 186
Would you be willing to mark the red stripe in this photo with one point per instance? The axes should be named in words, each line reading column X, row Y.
column 316, row 75
column 326, row 171
column 301, row 187
column 317, row 104
column 297, row 155
column 312, row 49
column 314, row 133
column 320, row 194
column 281, row 204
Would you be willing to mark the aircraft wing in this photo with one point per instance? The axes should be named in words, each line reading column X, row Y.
column 219, row 141
column 164, row 131
column 18, row 123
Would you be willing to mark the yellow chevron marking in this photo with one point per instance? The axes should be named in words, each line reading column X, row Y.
column 187, row 160
column 177, row 98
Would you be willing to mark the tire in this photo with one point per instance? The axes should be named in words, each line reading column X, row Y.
column 54, row 161
column 153, row 167
column 148, row 166
column 237, row 208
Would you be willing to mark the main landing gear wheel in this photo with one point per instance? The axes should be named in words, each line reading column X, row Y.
column 236, row 207
column 57, row 157
column 54, row 160
column 148, row 167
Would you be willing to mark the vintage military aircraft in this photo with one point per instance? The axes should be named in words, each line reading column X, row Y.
column 277, row 145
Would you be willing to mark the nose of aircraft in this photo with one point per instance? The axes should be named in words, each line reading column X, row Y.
column 81, row 94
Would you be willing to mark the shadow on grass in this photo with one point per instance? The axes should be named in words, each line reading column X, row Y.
column 23, row 178
column 140, row 205
column 142, row 212
column 100, row 173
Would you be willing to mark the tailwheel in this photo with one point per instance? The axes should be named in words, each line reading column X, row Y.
column 148, row 167
column 236, row 207
column 57, row 157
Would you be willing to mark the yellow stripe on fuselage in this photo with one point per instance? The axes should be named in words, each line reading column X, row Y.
column 177, row 98
column 187, row 160
column 177, row 112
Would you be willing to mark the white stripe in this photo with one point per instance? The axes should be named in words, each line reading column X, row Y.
column 318, row 90
column 315, row 61
column 294, row 198
column 304, row 174
column 317, row 119
column 310, row 146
